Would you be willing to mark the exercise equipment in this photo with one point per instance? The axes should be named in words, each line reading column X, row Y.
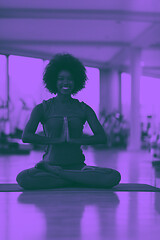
column 9, row 144
column 116, row 129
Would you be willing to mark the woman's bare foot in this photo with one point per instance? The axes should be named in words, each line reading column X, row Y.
column 88, row 168
column 52, row 169
column 96, row 169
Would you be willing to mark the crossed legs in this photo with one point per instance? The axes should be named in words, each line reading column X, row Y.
column 56, row 177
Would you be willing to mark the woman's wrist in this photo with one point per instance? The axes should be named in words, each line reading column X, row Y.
column 74, row 141
column 57, row 141
column 88, row 140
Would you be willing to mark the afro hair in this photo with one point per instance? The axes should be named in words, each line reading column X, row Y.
column 66, row 62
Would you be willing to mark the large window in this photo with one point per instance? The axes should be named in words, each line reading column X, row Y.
column 149, row 98
column 3, row 78
column 3, row 91
column 27, row 89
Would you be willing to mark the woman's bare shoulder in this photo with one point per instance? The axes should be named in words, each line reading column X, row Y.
column 37, row 111
column 86, row 106
column 47, row 103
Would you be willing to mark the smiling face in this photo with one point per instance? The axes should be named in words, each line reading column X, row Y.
column 65, row 83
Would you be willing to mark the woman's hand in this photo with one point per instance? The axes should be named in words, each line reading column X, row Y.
column 68, row 138
column 65, row 136
column 66, row 130
column 65, row 133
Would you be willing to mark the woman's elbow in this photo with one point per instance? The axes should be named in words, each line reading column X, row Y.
column 104, row 139
column 25, row 138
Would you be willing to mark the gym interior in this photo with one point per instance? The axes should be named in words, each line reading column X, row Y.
column 118, row 43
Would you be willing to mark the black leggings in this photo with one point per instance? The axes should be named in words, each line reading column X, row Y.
column 83, row 176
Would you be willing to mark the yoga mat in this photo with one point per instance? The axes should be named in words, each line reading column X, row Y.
column 122, row 187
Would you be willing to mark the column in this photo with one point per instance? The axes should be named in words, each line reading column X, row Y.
column 136, row 71
column 7, row 121
column 110, row 92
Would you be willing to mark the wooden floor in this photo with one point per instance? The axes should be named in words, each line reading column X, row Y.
column 82, row 215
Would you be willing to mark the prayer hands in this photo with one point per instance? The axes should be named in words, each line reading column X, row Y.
column 68, row 139
column 66, row 130
column 65, row 137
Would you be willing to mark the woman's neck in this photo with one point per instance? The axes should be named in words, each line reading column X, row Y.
column 63, row 98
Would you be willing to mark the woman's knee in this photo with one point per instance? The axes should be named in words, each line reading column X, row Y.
column 116, row 177
column 111, row 177
column 27, row 177
column 37, row 179
column 23, row 179
column 20, row 177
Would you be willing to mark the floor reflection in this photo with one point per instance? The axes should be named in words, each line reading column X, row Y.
column 75, row 214
column 80, row 215
column 138, row 215
column 157, row 202
column 157, row 176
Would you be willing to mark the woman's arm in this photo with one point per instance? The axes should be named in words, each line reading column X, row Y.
column 99, row 136
column 29, row 135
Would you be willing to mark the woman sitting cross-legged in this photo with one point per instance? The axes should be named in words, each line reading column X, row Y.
column 63, row 118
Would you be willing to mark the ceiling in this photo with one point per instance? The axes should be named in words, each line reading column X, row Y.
column 99, row 32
